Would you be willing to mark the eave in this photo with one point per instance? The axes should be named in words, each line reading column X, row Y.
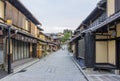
column 24, row 10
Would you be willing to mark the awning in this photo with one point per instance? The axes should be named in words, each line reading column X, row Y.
column 22, row 35
column 2, row 25
column 107, row 21
column 24, row 10
column 25, row 38
column 29, row 35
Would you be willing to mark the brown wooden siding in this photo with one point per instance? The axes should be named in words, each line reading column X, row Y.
column 1, row 10
column 32, row 29
column 15, row 15
column 29, row 26
column 8, row 14
column 18, row 18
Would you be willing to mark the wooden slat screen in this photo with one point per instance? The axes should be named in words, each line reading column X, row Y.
column 29, row 26
column 81, row 48
column 8, row 14
column 35, row 31
column 23, row 21
column 32, row 29
column 26, row 25
column 20, row 20
column 15, row 16
column 1, row 9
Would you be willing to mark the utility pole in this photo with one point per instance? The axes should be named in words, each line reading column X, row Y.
column 9, row 55
column 9, row 22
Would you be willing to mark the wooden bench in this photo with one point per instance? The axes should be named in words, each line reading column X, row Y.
column 104, row 66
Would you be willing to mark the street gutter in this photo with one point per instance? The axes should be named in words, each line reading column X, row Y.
column 78, row 66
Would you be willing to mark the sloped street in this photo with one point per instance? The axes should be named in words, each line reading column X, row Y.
column 55, row 67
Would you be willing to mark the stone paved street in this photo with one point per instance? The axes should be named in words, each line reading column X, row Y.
column 3, row 74
column 101, row 75
column 104, row 77
column 54, row 67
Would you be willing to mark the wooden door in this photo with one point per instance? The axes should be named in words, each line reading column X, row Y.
column 118, row 54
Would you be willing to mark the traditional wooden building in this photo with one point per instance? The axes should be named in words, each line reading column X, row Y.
column 98, row 37
column 56, row 42
column 23, row 29
column 53, row 42
column 41, row 48
column 48, row 43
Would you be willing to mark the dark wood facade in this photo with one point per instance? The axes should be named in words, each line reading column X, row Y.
column 117, row 5
column 102, row 43
column 90, row 50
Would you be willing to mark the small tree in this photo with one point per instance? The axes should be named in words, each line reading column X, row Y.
column 67, row 34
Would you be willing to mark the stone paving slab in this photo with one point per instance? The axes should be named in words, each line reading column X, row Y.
column 106, row 77
column 24, row 64
column 55, row 67
column 3, row 74
column 102, row 75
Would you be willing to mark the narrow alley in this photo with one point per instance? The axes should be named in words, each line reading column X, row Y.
column 58, row 66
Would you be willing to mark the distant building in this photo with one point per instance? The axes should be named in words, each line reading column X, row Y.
column 60, row 35
column 54, row 41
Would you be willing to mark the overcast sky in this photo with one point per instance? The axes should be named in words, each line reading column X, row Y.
column 57, row 15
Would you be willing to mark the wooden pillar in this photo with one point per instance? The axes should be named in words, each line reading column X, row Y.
column 76, row 49
column 90, row 50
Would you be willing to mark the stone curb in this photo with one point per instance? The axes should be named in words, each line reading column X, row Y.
column 78, row 66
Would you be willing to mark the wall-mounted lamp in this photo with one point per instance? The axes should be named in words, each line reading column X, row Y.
column 9, row 22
